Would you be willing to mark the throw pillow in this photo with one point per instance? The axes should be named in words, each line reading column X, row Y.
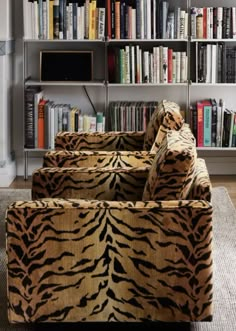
column 166, row 116
column 172, row 171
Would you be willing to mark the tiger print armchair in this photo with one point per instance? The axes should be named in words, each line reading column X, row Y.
column 115, row 149
column 87, row 258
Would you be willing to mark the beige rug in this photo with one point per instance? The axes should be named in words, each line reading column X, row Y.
column 224, row 318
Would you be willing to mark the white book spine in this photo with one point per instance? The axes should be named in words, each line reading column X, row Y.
column 82, row 25
column 133, row 29
column 141, row 65
column 69, row 22
column 208, row 64
column 158, row 65
column 219, row 22
column 234, row 22
column 146, row 66
column 132, row 64
column 36, row 17
column 193, row 22
column 182, row 25
column 165, row 65
column 154, row 18
column 27, row 18
column 101, row 23
column 44, row 20
column 148, row 19
column 127, row 64
column 213, row 64
column 142, row 18
column 178, row 67
column 182, row 67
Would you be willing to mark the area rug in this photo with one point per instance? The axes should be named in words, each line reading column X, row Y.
column 224, row 319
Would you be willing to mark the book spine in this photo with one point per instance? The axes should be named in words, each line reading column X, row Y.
column 117, row 20
column 170, row 65
column 41, row 124
column 56, row 19
column 207, row 126
column 200, row 115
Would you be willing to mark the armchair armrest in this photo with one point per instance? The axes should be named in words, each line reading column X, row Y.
column 201, row 187
column 65, row 158
column 108, row 141
column 89, row 183
column 76, row 260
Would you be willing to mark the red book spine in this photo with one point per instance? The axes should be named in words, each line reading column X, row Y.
column 41, row 116
column 199, row 124
column 170, row 65
column 108, row 18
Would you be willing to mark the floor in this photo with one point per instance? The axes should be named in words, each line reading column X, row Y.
column 228, row 181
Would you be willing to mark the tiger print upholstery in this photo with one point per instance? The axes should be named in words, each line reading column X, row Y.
column 172, row 171
column 107, row 141
column 89, row 260
column 65, row 158
column 166, row 116
column 201, row 187
column 124, row 183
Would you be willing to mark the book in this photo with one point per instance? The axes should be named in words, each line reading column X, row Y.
column 200, row 119
column 56, row 19
column 207, row 119
column 41, row 123
column 29, row 122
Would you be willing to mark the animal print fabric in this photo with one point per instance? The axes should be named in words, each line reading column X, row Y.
column 113, row 159
column 80, row 261
column 201, row 187
column 125, row 183
column 172, row 171
column 167, row 116
column 107, row 141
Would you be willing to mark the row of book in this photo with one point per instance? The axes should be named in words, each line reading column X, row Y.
column 64, row 19
column 213, row 124
column 44, row 118
column 213, row 22
column 95, row 19
column 130, row 115
column 132, row 64
column 216, row 63
column 145, row 19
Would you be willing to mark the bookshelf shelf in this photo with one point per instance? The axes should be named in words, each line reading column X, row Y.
column 146, row 85
column 41, row 83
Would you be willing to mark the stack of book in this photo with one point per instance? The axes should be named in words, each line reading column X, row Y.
column 216, row 63
column 64, row 19
column 213, row 124
column 131, row 115
column 145, row 19
column 161, row 64
column 213, row 22
column 44, row 118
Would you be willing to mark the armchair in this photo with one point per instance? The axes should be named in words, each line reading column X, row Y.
column 166, row 115
column 89, row 259
column 115, row 149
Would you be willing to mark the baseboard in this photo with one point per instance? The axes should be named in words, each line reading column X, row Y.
column 7, row 174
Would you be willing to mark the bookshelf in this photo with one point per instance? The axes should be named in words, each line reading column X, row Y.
column 104, row 88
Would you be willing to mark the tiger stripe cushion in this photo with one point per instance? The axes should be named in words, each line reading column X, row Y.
column 166, row 116
column 172, row 171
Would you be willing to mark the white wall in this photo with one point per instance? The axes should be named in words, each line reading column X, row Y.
column 7, row 164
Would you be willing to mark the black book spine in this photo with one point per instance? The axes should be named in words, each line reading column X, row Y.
column 29, row 116
column 213, row 122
